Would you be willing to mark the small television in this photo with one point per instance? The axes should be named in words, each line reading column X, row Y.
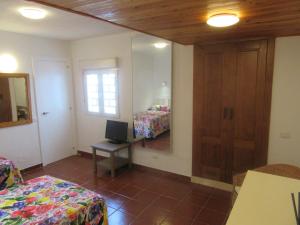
column 116, row 131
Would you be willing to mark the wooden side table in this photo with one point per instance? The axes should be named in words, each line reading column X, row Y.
column 113, row 162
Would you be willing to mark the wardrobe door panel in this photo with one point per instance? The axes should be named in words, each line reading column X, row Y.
column 208, row 147
column 212, row 101
column 245, row 107
column 243, row 155
column 198, row 86
column 212, row 165
column 249, row 104
column 212, row 149
column 229, row 86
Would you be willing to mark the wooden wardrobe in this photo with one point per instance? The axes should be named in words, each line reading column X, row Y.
column 231, row 107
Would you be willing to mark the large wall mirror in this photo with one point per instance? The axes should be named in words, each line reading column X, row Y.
column 152, row 91
column 15, row 107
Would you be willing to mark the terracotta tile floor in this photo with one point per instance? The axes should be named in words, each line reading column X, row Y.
column 143, row 197
column 160, row 143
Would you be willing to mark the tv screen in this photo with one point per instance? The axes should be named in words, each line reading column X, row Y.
column 116, row 131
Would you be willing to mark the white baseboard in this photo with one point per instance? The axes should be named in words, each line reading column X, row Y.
column 212, row 183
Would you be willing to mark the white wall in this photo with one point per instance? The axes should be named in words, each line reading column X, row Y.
column 20, row 91
column 17, row 88
column 284, row 143
column 21, row 143
column 91, row 128
column 162, row 64
column 151, row 67
column 142, row 68
column 13, row 99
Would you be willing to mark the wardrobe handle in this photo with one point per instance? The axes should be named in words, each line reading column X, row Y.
column 225, row 113
column 231, row 114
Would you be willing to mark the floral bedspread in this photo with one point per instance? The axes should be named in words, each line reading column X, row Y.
column 47, row 200
column 151, row 123
column 9, row 174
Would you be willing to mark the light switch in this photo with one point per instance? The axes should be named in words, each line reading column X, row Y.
column 285, row 135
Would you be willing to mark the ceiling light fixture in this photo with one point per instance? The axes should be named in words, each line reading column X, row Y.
column 160, row 44
column 33, row 13
column 223, row 20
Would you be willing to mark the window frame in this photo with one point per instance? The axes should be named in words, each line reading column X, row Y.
column 99, row 72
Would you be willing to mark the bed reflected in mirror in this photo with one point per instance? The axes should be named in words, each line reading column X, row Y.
column 152, row 91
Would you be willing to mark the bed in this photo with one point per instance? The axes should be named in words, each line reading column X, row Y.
column 151, row 123
column 9, row 173
column 48, row 200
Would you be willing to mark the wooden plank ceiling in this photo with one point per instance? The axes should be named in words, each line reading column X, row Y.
column 184, row 21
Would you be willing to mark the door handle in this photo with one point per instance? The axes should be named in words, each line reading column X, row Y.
column 45, row 113
column 225, row 113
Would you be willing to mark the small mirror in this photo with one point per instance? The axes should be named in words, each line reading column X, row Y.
column 15, row 107
column 152, row 89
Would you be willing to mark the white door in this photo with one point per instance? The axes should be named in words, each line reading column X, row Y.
column 53, row 84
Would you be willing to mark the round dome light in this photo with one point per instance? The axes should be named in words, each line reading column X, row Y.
column 160, row 45
column 223, row 20
column 33, row 13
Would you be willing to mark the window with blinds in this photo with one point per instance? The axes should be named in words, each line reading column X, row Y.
column 101, row 87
